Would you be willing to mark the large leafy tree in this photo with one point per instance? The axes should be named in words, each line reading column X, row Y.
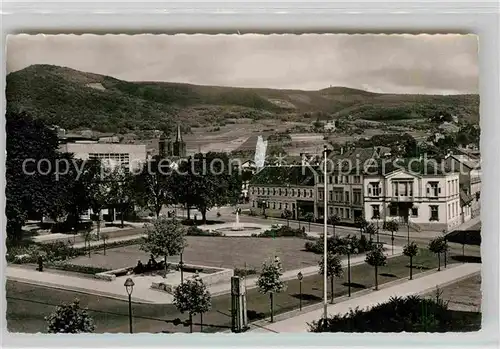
column 97, row 188
column 207, row 180
column 164, row 237
column 120, row 194
column 411, row 251
column 70, row 318
column 270, row 282
column 29, row 142
column 153, row 186
column 333, row 269
column 438, row 246
column 193, row 297
column 376, row 258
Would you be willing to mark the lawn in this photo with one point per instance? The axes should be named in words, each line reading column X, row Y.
column 225, row 252
column 27, row 305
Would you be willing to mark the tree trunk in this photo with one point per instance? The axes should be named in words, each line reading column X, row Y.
column 190, row 323
column 288, row 222
column 309, row 226
column 123, row 218
column 98, row 223
column 158, row 210
column 334, row 230
column 376, row 278
column 272, row 306
column 201, row 322
column 165, row 259
column 332, row 290
column 104, row 241
column 439, row 261
column 89, row 248
column 411, row 268
column 204, row 216
column 188, row 212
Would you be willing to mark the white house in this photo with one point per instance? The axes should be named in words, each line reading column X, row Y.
column 330, row 126
column 430, row 201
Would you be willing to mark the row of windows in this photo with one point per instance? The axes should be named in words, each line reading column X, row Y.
column 273, row 204
column 344, row 213
column 434, row 212
column 339, row 195
column 356, row 179
column 452, row 210
column 306, row 193
column 453, row 187
column 404, row 189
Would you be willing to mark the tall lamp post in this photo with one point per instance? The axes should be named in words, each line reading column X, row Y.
column 408, row 225
column 349, row 246
column 377, row 217
column 325, row 239
column 129, row 286
column 300, row 277
column 181, row 267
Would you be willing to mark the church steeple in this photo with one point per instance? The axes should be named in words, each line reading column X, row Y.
column 179, row 147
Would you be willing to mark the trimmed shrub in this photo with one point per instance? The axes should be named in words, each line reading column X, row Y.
column 244, row 272
column 195, row 231
column 84, row 269
column 283, row 231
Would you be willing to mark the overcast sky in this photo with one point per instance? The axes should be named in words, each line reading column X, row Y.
column 442, row 64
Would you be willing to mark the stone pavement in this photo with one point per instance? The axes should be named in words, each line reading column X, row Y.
column 419, row 285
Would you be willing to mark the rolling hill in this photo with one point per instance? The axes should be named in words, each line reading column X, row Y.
column 74, row 100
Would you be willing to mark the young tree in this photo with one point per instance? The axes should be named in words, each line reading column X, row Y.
column 370, row 230
column 334, row 220
column 164, row 237
column 87, row 238
column 104, row 238
column 393, row 227
column 333, row 269
column 362, row 224
column 193, row 297
column 411, row 251
column 70, row 318
column 376, row 258
column 287, row 214
column 309, row 217
column 269, row 281
column 438, row 246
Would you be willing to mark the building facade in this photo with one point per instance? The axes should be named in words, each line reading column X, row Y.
column 131, row 156
column 275, row 189
column 429, row 201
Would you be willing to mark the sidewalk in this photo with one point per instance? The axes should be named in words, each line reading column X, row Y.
column 417, row 286
column 95, row 243
column 142, row 291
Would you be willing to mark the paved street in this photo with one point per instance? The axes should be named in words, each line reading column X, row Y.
column 419, row 285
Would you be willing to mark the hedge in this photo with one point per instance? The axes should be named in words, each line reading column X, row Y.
column 84, row 269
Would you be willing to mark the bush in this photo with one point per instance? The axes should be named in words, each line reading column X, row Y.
column 84, row 269
column 283, row 231
column 244, row 272
column 195, row 231
column 409, row 314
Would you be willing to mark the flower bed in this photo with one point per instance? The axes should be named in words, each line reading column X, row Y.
column 281, row 231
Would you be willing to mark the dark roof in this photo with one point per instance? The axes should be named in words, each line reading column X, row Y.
column 283, row 175
column 466, row 237
column 465, row 198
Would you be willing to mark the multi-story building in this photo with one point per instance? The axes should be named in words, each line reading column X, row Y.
column 275, row 189
column 414, row 193
column 344, row 187
column 131, row 156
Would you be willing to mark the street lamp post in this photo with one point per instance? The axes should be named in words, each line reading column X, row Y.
column 378, row 238
column 300, row 277
column 325, row 239
column 408, row 226
column 181, row 267
column 349, row 267
column 129, row 286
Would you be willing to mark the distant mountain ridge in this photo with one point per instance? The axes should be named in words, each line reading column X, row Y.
column 73, row 99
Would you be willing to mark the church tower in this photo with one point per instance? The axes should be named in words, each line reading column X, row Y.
column 179, row 146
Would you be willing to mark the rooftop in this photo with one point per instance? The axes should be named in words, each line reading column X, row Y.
column 284, row 175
